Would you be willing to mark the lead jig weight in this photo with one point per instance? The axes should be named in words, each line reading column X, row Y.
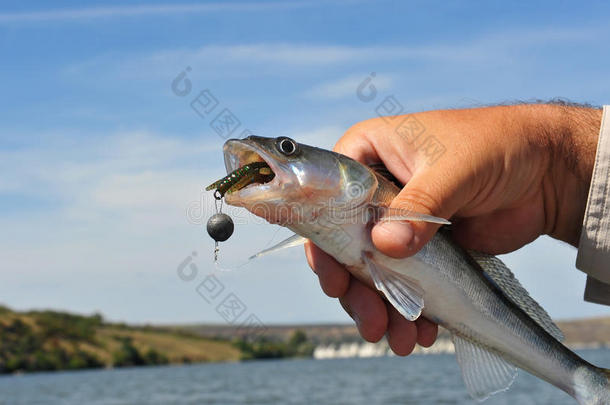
column 220, row 226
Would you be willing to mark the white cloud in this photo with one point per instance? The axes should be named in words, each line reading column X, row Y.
column 79, row 14
column 119, row 176
column 119, row 226
column 225, row 61
column 346, row 87
column 266, row 59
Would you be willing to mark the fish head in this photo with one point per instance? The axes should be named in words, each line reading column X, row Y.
column 307, row 181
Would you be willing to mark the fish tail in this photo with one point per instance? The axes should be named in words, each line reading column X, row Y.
column 592, row 386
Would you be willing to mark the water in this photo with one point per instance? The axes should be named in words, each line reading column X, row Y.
column 433, row 379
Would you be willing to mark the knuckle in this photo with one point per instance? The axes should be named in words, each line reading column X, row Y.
column 361, row 127
column 417, row 199
column 330, row 289
column 357, row 134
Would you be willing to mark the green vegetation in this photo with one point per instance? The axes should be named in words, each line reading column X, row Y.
column 129, row 355
column 60, row 325
column 24, row 347
column 265, row 348
column 51, row 340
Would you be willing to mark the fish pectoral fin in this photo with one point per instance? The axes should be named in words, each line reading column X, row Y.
column 484, row 372
column 399, row 214
column 402, row 292
column 294, row 240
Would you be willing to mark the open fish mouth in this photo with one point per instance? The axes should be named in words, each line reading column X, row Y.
column 250, row 170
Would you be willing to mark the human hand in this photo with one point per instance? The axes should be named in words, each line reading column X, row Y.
column 509, row 175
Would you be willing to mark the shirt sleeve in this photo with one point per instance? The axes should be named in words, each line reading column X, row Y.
column 594, row 245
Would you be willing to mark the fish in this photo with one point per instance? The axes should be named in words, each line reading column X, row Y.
column 496, row 326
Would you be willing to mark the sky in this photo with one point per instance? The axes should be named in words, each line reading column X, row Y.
column 103, row 158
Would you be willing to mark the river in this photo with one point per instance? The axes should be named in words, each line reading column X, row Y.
column 418, row 379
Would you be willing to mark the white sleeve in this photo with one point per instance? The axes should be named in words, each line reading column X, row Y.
column 594, row 245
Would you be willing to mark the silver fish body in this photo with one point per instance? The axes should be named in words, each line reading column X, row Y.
column 333, row 200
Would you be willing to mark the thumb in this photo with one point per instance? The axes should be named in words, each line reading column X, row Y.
column 436, row 191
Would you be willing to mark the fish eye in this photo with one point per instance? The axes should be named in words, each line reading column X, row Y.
column 286, row 145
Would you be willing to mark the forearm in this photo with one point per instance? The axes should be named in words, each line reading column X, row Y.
column 579, row 142
column 570, row 133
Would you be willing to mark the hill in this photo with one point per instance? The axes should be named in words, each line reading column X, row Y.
column 593, row 332
column 51, row 340
column 590, row 332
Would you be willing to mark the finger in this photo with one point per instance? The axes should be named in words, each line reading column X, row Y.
column 427, row 331
column 367, row 309
column 434, row 189
column 438, row 191
column 402, row 334
column 334, row 278
column 375, row 141
column 357, row 142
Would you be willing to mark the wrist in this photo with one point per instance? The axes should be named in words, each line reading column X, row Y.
column 570, row 135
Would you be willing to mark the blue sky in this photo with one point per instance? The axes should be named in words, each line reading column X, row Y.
column 100, row 161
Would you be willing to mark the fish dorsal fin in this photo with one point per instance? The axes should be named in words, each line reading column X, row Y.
column 484, row 372
column 403, row 293
column 512, row 288
column 294, row 240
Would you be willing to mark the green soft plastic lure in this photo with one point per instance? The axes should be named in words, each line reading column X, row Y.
column 255, row 172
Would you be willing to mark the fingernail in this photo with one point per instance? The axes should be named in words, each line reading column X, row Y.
column 414, row 242
column 401, row 232
column 356, row 319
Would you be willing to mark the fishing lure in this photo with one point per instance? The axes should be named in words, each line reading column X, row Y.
column 255, row 172
column 220, row 226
